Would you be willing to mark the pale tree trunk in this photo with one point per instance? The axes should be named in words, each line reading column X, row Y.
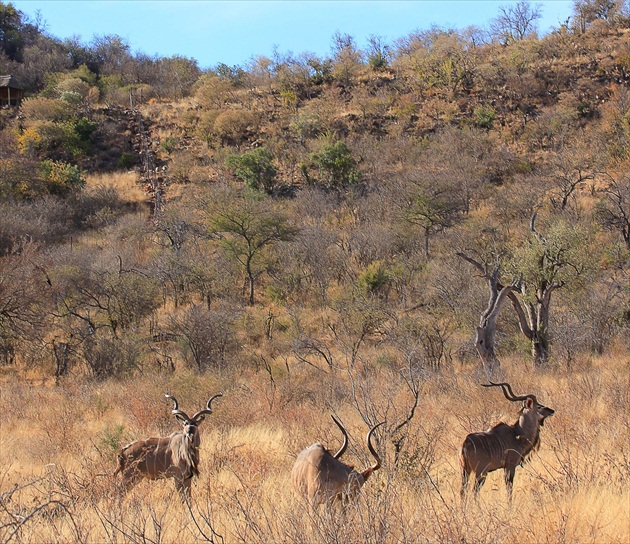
column 485, row 332
column 534, row 320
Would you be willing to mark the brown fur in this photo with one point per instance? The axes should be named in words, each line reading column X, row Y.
column 503, row 446
column 322, row 478
column 175, row 456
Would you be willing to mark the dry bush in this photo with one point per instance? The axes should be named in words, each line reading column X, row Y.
column 45, row 109
column 575, row 489
column 234, row 126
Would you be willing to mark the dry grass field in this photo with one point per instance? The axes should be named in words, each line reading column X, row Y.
column 59, row 446
column 124, row 183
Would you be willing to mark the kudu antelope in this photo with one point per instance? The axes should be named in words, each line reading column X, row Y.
column 175, row 456
column 503, row 446
column 322, row 478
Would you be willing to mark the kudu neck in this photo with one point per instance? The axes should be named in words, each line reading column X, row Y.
column 529, row 425
column 367, row 473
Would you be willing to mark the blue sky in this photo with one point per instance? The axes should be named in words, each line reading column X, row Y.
column 233, row 32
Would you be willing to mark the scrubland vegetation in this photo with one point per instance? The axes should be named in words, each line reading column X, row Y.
column 372, row 234
column 574, row 490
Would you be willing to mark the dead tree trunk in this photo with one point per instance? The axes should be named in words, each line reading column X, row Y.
column 485, row 332
column 484, row 340
column 61, row 351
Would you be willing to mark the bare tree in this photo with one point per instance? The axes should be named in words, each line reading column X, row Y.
column 613, row 210
column 347, row 57
column 585, row 12
column 207, row 334
column 569, row 169
column 22, row 315
column 515, row 22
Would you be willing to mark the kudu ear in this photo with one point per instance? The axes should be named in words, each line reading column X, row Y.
column 529, row 403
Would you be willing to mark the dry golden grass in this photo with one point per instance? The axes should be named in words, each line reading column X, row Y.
column 59, row 445
column 125, row 183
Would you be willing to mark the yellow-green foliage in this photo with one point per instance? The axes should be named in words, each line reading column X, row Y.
column 30, row 141
column 62, row 178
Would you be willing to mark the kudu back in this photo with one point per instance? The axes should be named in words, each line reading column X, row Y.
column 175, row 456
column 503, row 446
column 322, row 478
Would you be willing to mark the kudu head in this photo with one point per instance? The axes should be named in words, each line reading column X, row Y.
column 530, row 403
column 191, row 423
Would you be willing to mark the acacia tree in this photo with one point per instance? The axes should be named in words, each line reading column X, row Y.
column 246, row 227
column 547, row 263
column 432, row 205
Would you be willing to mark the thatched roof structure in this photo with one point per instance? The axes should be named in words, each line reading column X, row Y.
column 10, row 81
column 11, row 92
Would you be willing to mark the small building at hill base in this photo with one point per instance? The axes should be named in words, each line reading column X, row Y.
column 11, row 92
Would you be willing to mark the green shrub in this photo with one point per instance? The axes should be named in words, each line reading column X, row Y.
column 254, row 168
column 169, row 144
column 110, row 440
column 374, row 279
column 126, row 160
column 84, row 128
column 337, row 167
column 484, row 117
column 62, row 178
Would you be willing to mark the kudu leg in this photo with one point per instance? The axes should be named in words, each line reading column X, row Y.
column 509, row 482
column 464, row 490
column 183, row 487
column 480, row 480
